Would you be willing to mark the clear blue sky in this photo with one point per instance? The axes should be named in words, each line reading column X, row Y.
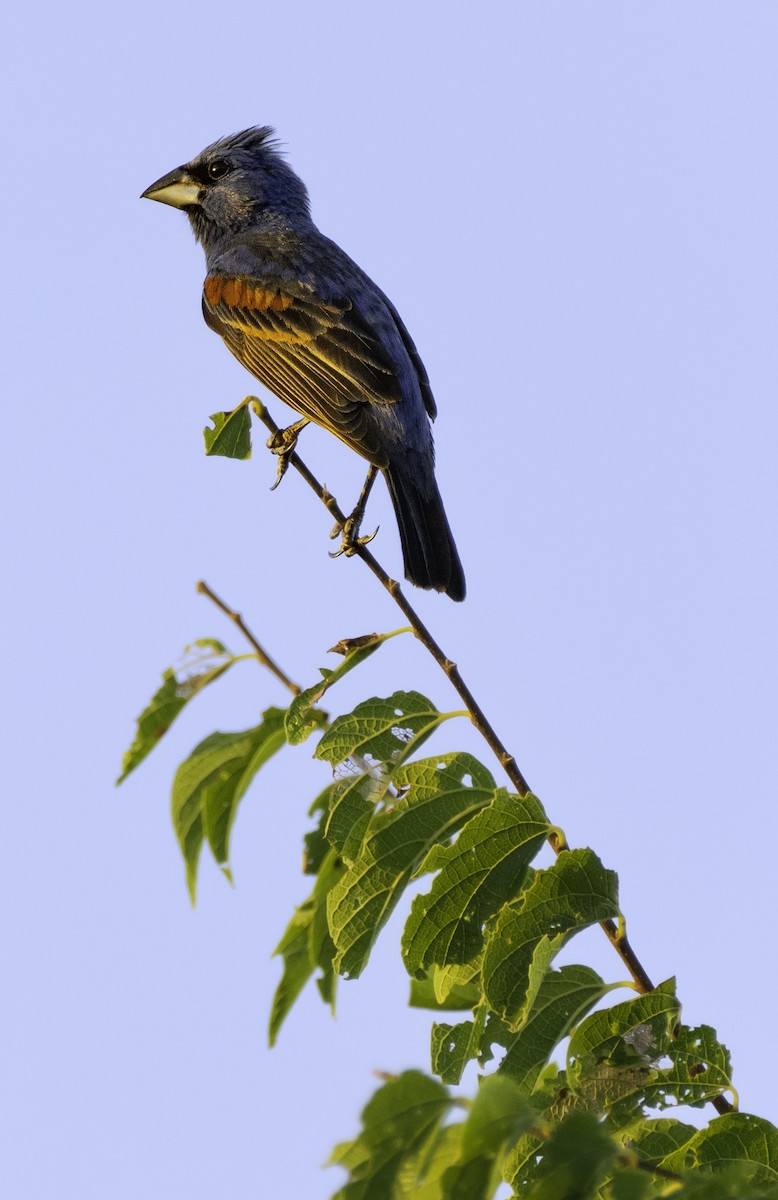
column 574, row 208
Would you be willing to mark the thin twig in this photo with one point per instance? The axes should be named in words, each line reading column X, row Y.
column 259, row 650
column 615, row 935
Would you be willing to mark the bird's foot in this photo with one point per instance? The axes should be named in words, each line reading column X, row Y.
column 350, row 541
column 283, row 443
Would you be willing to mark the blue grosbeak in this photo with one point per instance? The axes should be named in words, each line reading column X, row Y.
column 303, row 318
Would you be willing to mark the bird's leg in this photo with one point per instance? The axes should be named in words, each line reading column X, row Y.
column 283, row 443
column 349, row 532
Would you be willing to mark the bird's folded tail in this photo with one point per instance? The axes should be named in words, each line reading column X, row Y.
column 430, row 557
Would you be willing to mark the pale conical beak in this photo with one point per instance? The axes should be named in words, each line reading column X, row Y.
column 176, row 188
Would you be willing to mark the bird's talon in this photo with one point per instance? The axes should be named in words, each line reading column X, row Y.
column 283, row 465
column 364, row 541
column 350, row 539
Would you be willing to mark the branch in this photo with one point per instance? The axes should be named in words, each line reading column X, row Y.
column 614, row 933
column 259, row 650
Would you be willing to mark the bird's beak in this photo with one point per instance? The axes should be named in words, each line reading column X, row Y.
column 176, row 188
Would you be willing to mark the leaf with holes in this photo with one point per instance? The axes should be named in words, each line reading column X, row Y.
column 482, row 870
column 438, row 796
column 574, row 892
column 453, row 1046
column 627, row 1038
column 377, row 730
column 202, row 662
column 736, row 1140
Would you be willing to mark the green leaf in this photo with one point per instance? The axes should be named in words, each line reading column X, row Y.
column 420, row 1176
column 447, row 982
column 574, row 892
column 301, row 717
column 352, row 804
column 576, row 1159
column 654, row 1139
column 700, row 1068
column 459, row 997
column 612, row 1048
column 305, row 946
column 484, row 868
column 624, row 1075
column 453, row 1046
column 381, row 730
column 202, row 662
column 315, row 842
column 396, row 1122
column 733, row 1140
column 222, row 797
column 438, row 797
column 629, row 1184
column 563, row 998
column 231, row 433
column 499, row 1114
column 209, row 785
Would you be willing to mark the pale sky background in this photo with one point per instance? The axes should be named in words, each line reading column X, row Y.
column 574, row 207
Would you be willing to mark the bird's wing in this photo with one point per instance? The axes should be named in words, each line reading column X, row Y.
column 323, row 359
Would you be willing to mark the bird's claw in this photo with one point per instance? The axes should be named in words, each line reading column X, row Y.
column 283, row 444
column 350, row 541
column 282, row 467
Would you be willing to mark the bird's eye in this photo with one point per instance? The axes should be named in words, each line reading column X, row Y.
column 217, row 168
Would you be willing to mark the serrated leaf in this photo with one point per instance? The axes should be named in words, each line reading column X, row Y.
column 654, row 1139
column 202, row 662
column 396, row 1122
column 210, row 783
column 574, row 892
column 733, row 1140
column 483, row 869
column 633, row 1035
column 441, row 794
column 231, row 434
column 381, row 730
column 306, row 946
column 302, row 719
column 563, row 998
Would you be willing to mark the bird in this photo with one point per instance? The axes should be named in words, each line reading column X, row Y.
column 315, row 330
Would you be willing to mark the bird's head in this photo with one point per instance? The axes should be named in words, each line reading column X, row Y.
column 231, row 184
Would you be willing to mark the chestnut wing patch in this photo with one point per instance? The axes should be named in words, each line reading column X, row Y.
column 321, row 358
